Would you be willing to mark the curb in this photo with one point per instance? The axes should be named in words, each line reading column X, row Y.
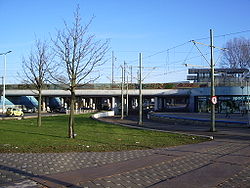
column 172, row 118
column 150, row 129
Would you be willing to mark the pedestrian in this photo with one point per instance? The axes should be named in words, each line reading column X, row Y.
column 227, row 112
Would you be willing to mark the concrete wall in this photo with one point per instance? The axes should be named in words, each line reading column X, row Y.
column 148, row 92
column 115, row 95
column 103, row 114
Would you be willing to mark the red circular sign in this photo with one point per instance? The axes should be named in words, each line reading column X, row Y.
column 214, row 100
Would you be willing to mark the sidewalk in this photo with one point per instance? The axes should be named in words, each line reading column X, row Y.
column 223, row 162
column 220, row 119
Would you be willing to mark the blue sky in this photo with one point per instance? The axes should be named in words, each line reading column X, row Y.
column 133, row 26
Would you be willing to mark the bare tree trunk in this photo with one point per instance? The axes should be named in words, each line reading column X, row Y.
column 71, row 115
column 36, row 68
column 80, row 54
column 39, row 117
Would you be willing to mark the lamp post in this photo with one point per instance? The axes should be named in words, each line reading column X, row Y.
column 4, row 79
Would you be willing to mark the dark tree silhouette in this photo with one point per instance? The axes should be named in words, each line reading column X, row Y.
column 237, row 54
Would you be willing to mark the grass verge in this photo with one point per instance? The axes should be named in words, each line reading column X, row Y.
column 25, row 136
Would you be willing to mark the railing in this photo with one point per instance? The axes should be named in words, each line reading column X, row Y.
column 109, row 86
column 206, row 83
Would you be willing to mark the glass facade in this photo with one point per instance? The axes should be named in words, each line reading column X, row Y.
column 226, row 104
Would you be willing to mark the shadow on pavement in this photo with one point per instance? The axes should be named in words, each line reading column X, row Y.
column 38, row 178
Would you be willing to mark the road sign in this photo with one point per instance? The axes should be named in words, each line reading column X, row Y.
column 214, row 100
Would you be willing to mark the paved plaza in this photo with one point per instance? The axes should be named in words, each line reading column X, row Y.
column 222, row 162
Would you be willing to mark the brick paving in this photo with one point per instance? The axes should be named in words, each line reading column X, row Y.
column 152, row 175
column 17, row 166
column 218, row 163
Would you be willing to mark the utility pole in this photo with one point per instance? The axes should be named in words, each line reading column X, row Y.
column 122, row 91
column 212, row 83
column 131, row 72
column 212, row 92
column 140, row 89
column 248, row 118
column 113, row 63
column 127, row 98
column 2, row 93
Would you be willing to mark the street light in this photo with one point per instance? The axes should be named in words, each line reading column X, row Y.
column 4, row 79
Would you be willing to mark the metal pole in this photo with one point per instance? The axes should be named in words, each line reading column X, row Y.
column 212, row 83
column 113, row 62
column 242, row 101
column 248, row 105
column 247, row 96
column 4, row 83
column 131, row 71
column 122, row 100
column 127, row 98
column 4, row 79
column 140, row 90
column 124, row 82
column 1, row 94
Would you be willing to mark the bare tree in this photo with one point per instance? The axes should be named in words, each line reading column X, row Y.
column 237, row 54
column 78, row 54
column 36, row 67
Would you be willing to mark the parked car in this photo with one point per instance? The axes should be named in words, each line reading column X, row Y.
column 59, row 110
column 86, row 108
column 14, row 112
column 29, row 110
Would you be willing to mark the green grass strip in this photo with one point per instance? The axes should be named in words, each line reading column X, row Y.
column 92, row 136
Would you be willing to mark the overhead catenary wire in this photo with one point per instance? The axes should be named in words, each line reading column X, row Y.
column 182, row 44
column 152, row 55
column 227, row 34
column 187, row 59
column 188, row 55
column 163, row 51
column 201, row 53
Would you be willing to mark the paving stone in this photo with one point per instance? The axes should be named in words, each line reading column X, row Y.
column 17, row 167
column 24, row 184
column 176, row 167
column 241, row 179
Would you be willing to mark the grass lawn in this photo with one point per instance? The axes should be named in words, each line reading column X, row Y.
column 25, row 136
